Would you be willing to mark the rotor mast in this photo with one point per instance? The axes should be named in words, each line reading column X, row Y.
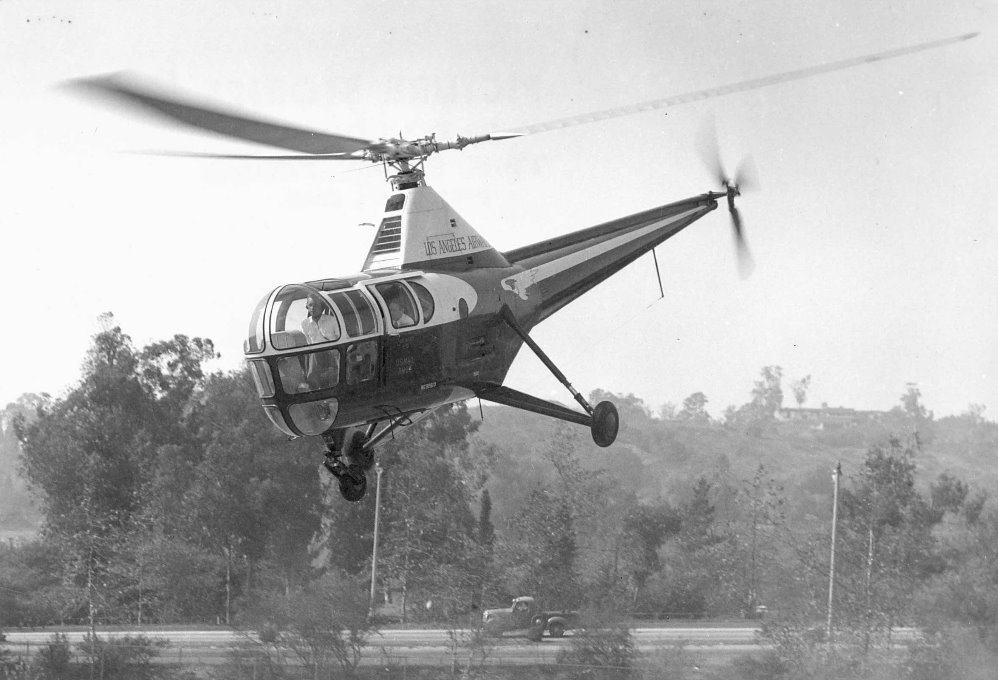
column 407, row 157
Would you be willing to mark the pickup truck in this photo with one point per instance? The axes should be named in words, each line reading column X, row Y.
column 524, row 615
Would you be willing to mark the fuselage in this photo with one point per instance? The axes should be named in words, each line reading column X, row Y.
column 423, row 325
column 423, row 351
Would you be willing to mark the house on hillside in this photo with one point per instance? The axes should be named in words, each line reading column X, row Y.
column 827, row 417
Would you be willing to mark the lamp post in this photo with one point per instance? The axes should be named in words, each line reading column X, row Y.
column 374, row 552
column 836, row 473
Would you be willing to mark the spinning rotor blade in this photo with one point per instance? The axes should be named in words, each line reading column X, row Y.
column 121, row 90
column 742, row 86
column 745, row 178
column 710, row 154
column 254, row 157
column 746, row 263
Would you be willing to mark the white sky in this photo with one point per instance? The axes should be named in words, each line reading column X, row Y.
column 874, row 232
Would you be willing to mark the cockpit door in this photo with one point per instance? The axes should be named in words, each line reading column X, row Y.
column 412, row 356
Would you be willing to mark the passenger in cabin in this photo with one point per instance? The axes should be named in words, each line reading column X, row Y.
column 400, row 319
column 321, row 370
column 319, row 325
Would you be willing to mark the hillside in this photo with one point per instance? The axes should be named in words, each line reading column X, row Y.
column 655, row 458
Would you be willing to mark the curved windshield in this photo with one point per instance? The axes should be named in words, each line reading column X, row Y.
column 254, row 340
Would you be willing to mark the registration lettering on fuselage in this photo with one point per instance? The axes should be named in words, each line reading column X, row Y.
column 447, row 245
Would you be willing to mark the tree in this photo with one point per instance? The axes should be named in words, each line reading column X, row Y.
column 757, row 416
column 428, row 526
column 694, row 409
column 323, row 622
column 885, row 539
column 697, row 562
column 16, row 508
column 484, row 560
column 253, row 496
column 800, row 388
column 539, row 551
column 644, row 530
column 758, row 526
column 913, row 418
column 85, row 455
column 767, row 395
column 966, row 593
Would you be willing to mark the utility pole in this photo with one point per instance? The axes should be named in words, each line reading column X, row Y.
column 374, row 553
column 836, row 473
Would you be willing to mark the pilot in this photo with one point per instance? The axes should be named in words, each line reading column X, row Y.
column 319, row 326
column 400, row 319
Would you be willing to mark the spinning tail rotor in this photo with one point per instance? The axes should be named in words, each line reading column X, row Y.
column 745, row 178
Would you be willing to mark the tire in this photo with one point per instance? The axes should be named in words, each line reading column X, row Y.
column 556, row 629
column 606, row 423
column 353, row 486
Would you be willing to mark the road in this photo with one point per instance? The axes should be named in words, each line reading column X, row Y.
column 710, row 645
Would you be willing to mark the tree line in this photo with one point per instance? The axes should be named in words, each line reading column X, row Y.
column 168, row 497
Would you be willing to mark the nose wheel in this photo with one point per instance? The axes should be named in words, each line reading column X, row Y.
column 353, row 485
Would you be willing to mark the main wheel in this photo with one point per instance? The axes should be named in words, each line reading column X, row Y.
column 556, row 629
column 353, row 485
column 606, row 423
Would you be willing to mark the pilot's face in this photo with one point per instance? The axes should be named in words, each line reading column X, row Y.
column 314, row 308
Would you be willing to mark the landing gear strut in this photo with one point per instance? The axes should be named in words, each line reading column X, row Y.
column 348, row 464
column 602, row 421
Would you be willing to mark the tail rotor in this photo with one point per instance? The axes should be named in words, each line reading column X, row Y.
column 744, row 179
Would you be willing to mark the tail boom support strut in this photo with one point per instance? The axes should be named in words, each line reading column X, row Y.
column 602, row 421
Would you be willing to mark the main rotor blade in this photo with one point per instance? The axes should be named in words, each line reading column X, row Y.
column 254, row 157
column 122, row 90
column 742, row 86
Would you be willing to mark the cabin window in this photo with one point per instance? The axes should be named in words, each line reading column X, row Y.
column 301, row 317
column 262, row 377
column 361, row 359
column 315, row 417
column 401, row 306
column 357, row 313
column 425, row 300
column 309, row 372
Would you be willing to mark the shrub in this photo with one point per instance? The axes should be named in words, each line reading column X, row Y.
column 127, row 657
column 52, row 660
column 600, row 652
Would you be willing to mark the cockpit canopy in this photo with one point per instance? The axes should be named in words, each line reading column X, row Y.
column 322, row 339
column 299, row 316
column 309, row 345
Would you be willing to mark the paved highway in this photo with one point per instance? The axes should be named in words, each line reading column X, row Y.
column 413, row 646
column 417, row 637
column 711, row 645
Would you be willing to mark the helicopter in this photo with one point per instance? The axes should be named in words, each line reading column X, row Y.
column 436, row 315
